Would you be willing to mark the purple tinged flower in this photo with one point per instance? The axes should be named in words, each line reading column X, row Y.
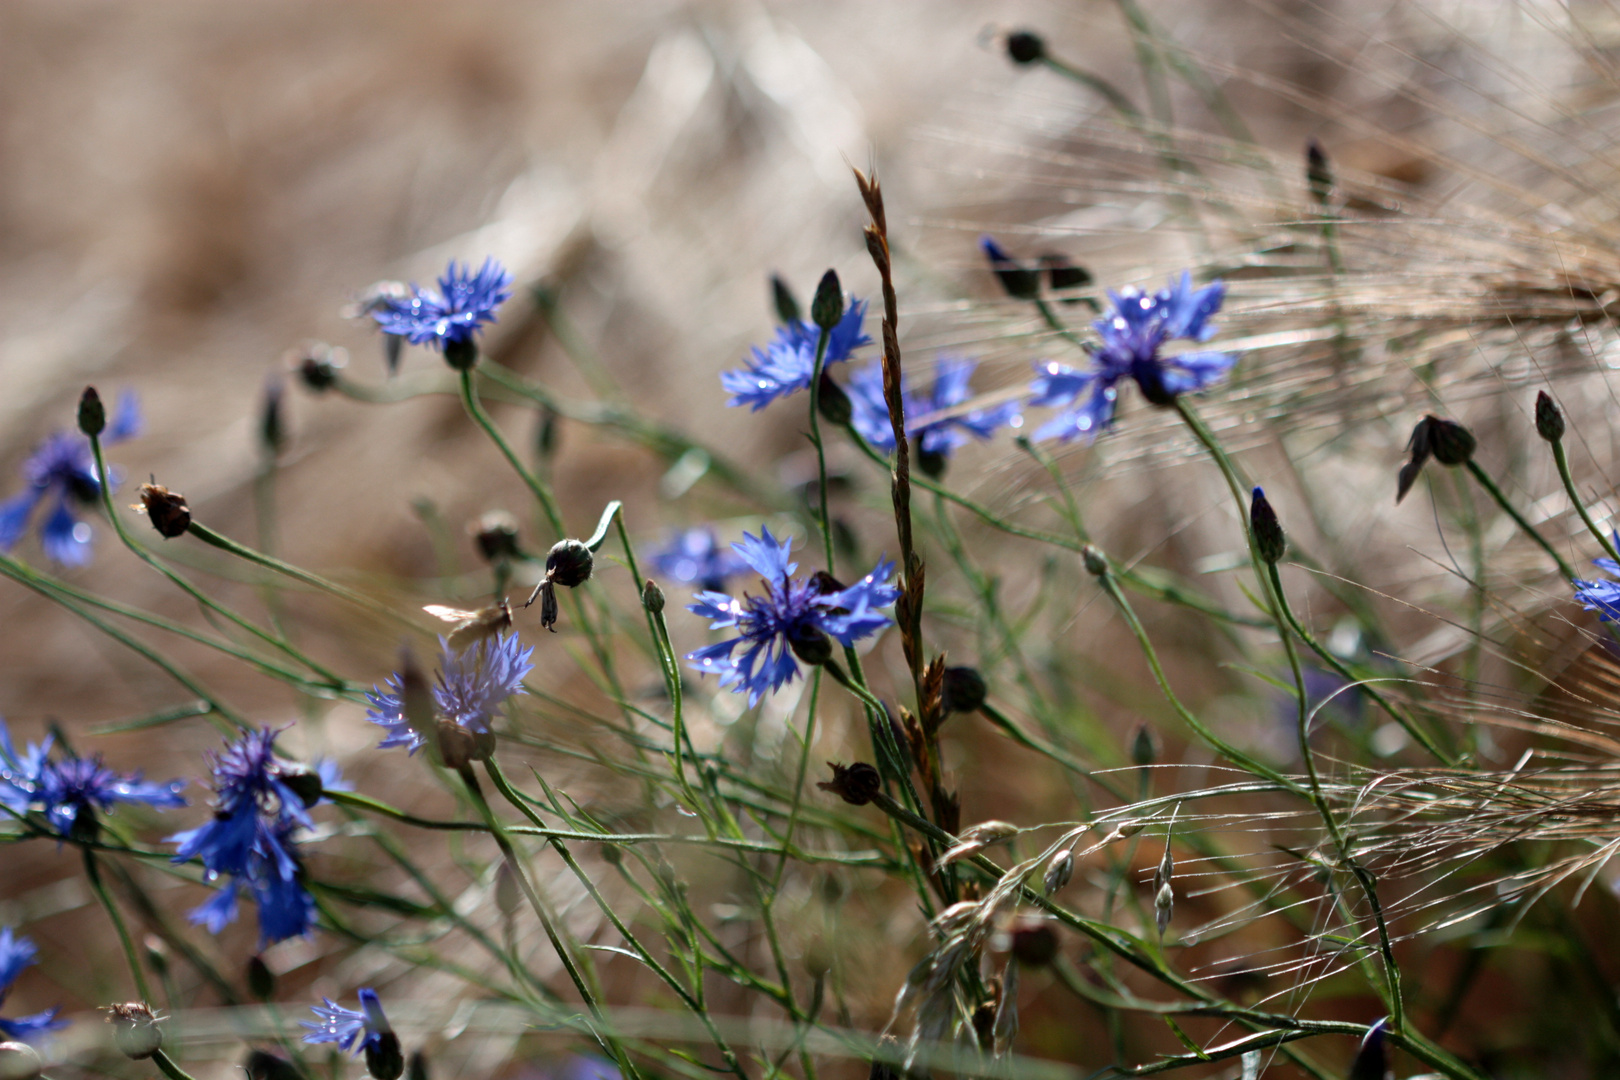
column 791, row 610
column 366, row 1029
column 695, row 557
column 16, row 953
column 463, row 302
column 470, row 687
column 251, row 838
column 1601, row 596
column 786, row 364
column 70, row 790
column 1132, row 330
column 926, row 417
column 62, row 471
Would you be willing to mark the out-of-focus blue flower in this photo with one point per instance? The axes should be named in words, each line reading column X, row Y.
column 935, row 432
column 1133, row 329
column 786, row 364
column 62, row 471
column 70, row 790
column 790, row 611
column 335, row 1024
column 1601, row 596
column 251, row 839
column 695, row 557
column 16, row 953
column 463, row 302
column 471, row 686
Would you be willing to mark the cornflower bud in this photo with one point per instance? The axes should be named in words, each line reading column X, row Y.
column 1017, row 281
column 156, row 954
column 931, row 463
column 417, row 1070
column 1371, row 1061
column 272, row 429
column 461, row 354
column 1033, row 941
column 1268, row 531
column 1025, row 47
column 496, row 536
column 303, row 781
column 1143, row 751
column 19, row 1061
column 135, row 1030
column 263, row 1065
column 568, row 564
column 1318, row 172
column 1451, row 443
column 1096, row 563
column 832, row 401
column 260, row 979
column 964, row 690
column 1062, row 274
column 652, row 597
column 92, row 413
column 855, row 783
column 787, row 305
column 810, row 645
column 1549, row 417
column 828, row 306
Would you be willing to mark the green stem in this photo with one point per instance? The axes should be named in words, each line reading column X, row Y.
column 168, row 1068
column 541, row 492
column 1529, row 530
column 1603, row 538
column 314, row 581
column 815, row 439
column 92, row 871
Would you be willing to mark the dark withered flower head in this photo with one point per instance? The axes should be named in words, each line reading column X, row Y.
column 261, row 803
column 1017, row 280
column 929, row 419
column 453, row 313
column 695, row 557
column 62, row 471
column 16, row 953
column 1133, row 330
column 69, row 790
column 787, row 363
column 792, row 610
column 471, row 685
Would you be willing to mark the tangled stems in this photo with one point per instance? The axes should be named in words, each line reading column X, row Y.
column 542, row 493
column 1274, row 604
column 608, row 1042
column 187, row 587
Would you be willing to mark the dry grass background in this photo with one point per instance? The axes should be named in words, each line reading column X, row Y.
column 188, row 192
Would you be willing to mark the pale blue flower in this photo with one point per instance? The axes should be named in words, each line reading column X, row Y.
column 786, row 364
column 16, row 953
column 471, row 686
column 695, row 557
column 926, row 419
column 451, row 315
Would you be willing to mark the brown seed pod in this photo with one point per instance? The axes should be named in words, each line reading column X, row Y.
column 168, row 510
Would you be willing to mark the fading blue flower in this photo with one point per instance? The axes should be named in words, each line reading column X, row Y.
column 786, row 364
column 926, row 417
column 69, row 790
column 343, row 1026
column 62, row 471
column 463, row 302
column 367, row 1029
column 261, row 803
column 470, row 687
column 16, row 953
column 695, row 557
column 1132, row 330
column 1601, row 596
column 791, row 611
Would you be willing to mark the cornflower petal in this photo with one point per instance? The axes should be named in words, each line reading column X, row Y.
column 785, row 365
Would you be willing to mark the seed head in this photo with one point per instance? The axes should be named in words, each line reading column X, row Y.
column 496, row 536
column 855, row 784
column 964, row 690
column 1025, row 47
column 135, row 1030
column 569, row 563
column 166, row 509
column 92, row 414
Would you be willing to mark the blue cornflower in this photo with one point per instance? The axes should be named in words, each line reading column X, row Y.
column 1133, row 329
column 695, row 557
column 368, row 1025
column 926, row 419
column 17, row 953
column 471, row 686
column 260, row 804
column 62, row 467
column 786, row 364
column 1601, row 596
column 792, row 614
column 69, row 791
column 452, row 315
